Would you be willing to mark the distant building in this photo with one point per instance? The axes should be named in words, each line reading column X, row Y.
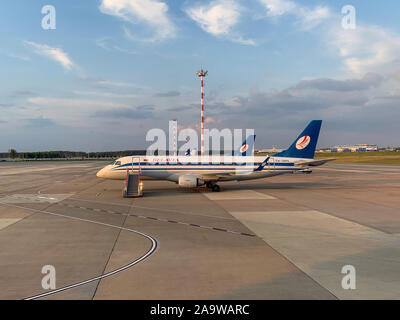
column 355, row 148
column 271, row 150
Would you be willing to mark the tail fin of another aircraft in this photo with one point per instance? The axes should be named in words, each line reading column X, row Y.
column 247, row 147
column 305, row 144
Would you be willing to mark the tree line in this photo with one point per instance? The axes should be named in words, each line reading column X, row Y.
column 13, row 154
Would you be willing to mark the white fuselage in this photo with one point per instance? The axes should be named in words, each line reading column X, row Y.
column 210, row 168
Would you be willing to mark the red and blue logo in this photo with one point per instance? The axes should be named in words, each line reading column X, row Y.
column 303, row 142
column 244, row 148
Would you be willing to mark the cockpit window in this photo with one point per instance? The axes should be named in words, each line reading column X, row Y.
column 112, row 163
column 117, row 163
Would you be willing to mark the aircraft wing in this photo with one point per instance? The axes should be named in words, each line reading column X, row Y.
column 215, row 175
column 313, row 163
column 175, row 176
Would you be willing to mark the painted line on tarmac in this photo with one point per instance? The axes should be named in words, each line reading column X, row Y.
column 151, row 208
column 156, row 219
column 154, row 245
column 149, row 218
column 346, row 170
column 377, row 171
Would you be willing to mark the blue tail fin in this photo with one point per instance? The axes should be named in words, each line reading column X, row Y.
column 247, row 147
column 305, row 144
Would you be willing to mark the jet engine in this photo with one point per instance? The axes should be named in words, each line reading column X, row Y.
column 190, row 182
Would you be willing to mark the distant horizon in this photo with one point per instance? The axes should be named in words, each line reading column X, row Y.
column 138, row 150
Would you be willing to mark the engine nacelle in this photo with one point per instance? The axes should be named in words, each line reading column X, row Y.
column 190, row 182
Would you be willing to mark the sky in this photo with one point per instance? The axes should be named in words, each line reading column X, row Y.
column 113, row 69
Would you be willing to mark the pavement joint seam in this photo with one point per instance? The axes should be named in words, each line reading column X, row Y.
column 153, row 249
column 109, row 257
column 159, row 219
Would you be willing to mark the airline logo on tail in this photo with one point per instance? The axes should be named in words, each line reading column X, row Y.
column 303, row 142
column 244, row 148
column 247, row 147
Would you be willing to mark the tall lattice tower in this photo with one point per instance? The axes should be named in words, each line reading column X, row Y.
column 202, row 74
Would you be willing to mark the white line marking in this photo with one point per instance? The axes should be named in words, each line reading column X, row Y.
column 148, row 253
column 238, row 195
column 47, row 198
column 348, row 170
column 156, row 209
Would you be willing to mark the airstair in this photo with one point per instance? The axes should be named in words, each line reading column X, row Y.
column 133, row 185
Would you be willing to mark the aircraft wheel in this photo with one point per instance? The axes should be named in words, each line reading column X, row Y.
column 215, row 188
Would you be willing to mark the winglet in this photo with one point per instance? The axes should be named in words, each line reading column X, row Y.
column 262, row 165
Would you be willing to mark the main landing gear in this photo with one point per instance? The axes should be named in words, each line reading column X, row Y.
column 214, row 187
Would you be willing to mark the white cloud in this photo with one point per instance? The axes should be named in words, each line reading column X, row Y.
column 308, row 18
column 85, row 113
column 17, row 56
column 105, row 94
column 107, row 44
column 241, row 40
column 53, row 53
column 72, row 104
column 69, row 111
column 152, row 12
column 312, row 18
column 367, row 48
column 219, row 18
column 279, row 7
column 118, row 84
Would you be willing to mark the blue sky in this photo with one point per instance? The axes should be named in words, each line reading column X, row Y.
column 113, row 69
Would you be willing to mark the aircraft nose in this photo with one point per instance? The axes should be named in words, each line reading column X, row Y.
column 100, row 173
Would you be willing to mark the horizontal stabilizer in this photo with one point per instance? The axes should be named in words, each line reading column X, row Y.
column 313, row 163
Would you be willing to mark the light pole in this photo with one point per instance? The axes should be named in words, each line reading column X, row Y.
column 202, row 74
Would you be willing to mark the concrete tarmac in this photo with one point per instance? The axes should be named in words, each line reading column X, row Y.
column 286, row 237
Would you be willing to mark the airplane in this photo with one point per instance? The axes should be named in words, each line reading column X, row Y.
column 196, row 171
